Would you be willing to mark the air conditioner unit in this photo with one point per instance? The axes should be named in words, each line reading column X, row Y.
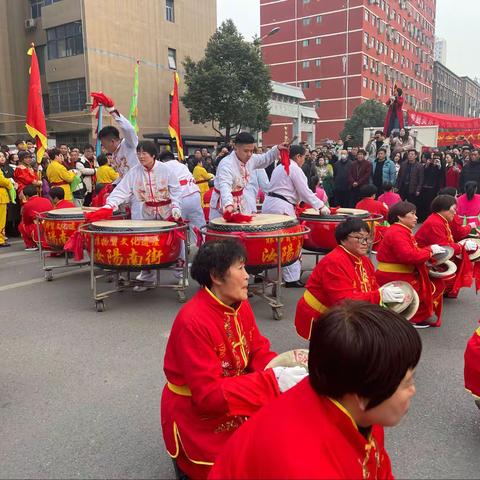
column 30, row 23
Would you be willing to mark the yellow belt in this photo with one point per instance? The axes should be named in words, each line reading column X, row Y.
column 395, row 268
column 314, row 303
column 179, row 389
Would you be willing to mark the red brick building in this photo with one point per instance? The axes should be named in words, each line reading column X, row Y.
column 343, row 52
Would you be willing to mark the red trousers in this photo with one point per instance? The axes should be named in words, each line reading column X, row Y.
column 29, row 235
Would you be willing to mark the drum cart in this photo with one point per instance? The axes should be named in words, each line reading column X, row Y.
column 121, row 277
column 260, row 290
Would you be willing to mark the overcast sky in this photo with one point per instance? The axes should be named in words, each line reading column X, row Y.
column 457, row 22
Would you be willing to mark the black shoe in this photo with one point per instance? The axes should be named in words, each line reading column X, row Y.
column 4, row 245
column 296, row 284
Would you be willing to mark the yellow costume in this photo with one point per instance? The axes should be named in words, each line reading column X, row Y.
column 106, row 174
column 59, row 176
column 202, row 177
column 5, row 186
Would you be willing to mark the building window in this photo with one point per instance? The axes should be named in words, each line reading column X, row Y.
column 319, row 19
column 65, row 40
column 305, row 84
column 40, row 51
column 365, row 38
column 318, row 62
column 172, row 59
column 366, row 15
column 306, row 43
column 318, row 83
column 365, row 82
column 46, row 104
column 306, row 64
column 67, row 95
column 36, row 6
column 306, row 1
column 170, row 11
column 306, row 21
column 318, row 41
column 372, row 85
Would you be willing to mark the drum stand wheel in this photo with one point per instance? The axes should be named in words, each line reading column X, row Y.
column 99, row 305
column 48, row 275
column 277, row 313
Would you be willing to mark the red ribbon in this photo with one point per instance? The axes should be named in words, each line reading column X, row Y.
column 104, row 213
column 285, row 159
column 231, row 217
column 199, row 236
column 76, row 245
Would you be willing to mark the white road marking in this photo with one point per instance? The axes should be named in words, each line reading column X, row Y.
column 34, row 281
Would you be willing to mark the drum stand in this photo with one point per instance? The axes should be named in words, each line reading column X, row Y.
column 67, row 263
column 122, row 279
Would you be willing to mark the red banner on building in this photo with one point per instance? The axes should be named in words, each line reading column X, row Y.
column 442, row 120
column 451, row 138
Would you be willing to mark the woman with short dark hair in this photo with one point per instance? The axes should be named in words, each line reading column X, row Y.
column 437, row 229
column 400, row 258
column 215, row 362
column 344, row 273
column 361, row 362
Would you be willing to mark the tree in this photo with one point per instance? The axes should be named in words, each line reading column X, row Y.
column 368, row 114
column 230, row 87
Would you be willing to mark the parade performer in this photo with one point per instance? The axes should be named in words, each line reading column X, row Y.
column 472, row 366
column 437, row 230
column 367, row 202
column 344, row 273
column 123, row 150
column 57, row 173
column 34, row 205
column 285, row 191
column 233, row 174
column 400, row 258
column 331, row 425
column 6, row 187
column 202, row 178
column 394, row 118
column 153, row 193
column 190, row 193
column 105, row 173
column 57, row 194
column 24, row 174
column 215, row 362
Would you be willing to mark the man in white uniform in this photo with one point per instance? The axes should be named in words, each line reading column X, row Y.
column 258, row 180
column 153, row 192
column 284, row 193
column 233, row 174
column 190, row 193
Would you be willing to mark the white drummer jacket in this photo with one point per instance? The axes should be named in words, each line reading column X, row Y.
column 181, row 172
column 232, row 177
column 125, row 156
column 258, row 180
column 293, row 188
column 151, row 194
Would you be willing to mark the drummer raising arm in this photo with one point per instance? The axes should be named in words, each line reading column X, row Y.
column 233, row 174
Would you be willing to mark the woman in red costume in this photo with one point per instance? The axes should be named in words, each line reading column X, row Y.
column 437, row 229
column 472, row 366
column 215, row 363
column 394, row 118
column 361, row 362
column 25, row 175
column 400, row 258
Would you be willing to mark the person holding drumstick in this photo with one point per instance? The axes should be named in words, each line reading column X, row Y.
column 215, row 363
column 285, row 191
column 345, row 273
column 361, row 366
column 233, row 174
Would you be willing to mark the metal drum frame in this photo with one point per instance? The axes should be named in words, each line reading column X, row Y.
column 274, row 300
column 67, row 262
column 370, row 221
column 121, row 279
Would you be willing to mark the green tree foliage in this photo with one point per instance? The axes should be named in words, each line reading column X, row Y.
column 369, row 114
column 230, row 87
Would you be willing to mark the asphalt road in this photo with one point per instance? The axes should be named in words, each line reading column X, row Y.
column 80, row 390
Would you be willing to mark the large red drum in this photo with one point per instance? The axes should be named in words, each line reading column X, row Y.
column 135, row 244
column 261, row 237
column 322, row 227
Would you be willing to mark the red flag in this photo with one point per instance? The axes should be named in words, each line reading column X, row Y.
column 174, row 123
column 35, row 121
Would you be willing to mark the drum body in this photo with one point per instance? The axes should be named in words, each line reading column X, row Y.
column 322, row 228
column 134, row 244
column 261, row 237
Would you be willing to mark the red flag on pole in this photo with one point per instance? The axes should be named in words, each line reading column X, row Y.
column 174, row 123
column 35, row 121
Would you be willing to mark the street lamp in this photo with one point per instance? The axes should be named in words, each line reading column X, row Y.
column 272, row 32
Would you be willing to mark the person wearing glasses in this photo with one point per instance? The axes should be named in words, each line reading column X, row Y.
column 345, row 273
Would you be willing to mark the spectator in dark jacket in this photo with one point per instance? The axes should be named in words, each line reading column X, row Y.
column 359, row 176
column 410, row 178
column 341, row 185
column 471, row 171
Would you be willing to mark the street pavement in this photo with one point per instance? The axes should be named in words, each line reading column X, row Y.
column 80, row 390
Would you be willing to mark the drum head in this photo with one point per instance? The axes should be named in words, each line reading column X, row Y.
column 262, row 222
column 445, row 270
column 440, row 258
column 409, row 292
column 339, row 215
column 133, row 226
column 412, row 309
column 292, row 358
column 474, row 256
column 66, row 213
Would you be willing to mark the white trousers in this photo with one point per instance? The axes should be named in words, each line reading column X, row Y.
column 193, row 212
column 281, row 207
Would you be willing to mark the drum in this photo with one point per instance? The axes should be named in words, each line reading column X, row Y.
column 322, row 235
column 135, row 244
column 261, row 237
column 292, row 358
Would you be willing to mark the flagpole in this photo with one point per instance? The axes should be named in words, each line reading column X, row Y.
column 98, row 149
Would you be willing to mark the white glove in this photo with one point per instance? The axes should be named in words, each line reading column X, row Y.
column 288, row 377
column 472, row 225
column 324, row 211
column 392, row 294
column 437, row 249
column 470, row 246
column 176, row 213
